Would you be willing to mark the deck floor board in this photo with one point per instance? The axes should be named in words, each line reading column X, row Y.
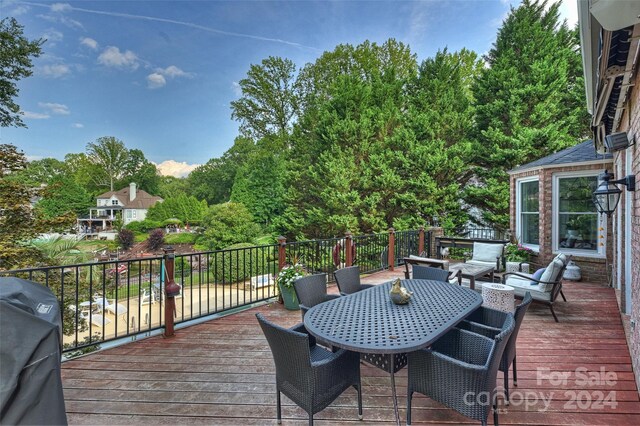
column 221, row 373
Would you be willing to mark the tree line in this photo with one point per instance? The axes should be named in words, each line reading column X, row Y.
column 365, row 137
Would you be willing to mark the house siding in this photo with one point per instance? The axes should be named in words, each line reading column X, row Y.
column 632, row 127
column 592, row 269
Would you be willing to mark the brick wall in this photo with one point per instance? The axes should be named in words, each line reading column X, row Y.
column 592, row 269
column 632, row 127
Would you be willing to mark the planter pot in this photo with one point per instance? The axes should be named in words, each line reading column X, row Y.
column 517, row 267
column 572, row 272
column 289, row 298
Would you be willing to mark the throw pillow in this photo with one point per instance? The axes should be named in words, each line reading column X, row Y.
column 537, row 275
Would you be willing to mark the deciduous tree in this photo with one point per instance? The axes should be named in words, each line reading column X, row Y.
column 268, row 103
column 111, row 158
column 16, row 53
column 226, row 224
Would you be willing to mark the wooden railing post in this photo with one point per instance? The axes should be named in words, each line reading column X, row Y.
column 392, row 249
column 171, row 290
column 282, row 252
column 282, row 259
column 420, row 240
column 348, row 248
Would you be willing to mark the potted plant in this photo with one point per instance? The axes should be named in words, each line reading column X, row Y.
column 287, row 276
column 516, row 255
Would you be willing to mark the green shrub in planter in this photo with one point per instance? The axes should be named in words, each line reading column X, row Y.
column 237, row 263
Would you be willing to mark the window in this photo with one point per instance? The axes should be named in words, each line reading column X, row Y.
column 527, row 213
column 128, row 214
column 114, row 202
column 577, row 224
column 134, row 214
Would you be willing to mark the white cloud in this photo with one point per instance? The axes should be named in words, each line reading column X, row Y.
column 52, row 36
column 60, row 7
column 77, row 125
column 59, row 18
column 112, row 57
column 172, row 71
column 174, row 168
column 89, row 42
column 35, row 115
column 55, row 71
column 159, row 78
column 53, row 108
column 235, row 86
column 20, row 10
column 156, row 81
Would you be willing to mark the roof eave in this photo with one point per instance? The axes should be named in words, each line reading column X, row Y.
column 604, row 161
column 589, row 35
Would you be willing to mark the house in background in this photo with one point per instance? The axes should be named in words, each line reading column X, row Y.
column 610, row 40
column 132, row 203
column 552, row 209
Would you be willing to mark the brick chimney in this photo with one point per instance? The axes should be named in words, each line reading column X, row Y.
column 132, row 191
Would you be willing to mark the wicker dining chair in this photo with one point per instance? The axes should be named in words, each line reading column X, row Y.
column 306, row 373
column 487, row 322
column 348, row 280
column 459, row 364
column 421, row 272
column 312, row 290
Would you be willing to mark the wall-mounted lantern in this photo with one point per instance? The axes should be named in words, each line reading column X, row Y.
column 607, row 195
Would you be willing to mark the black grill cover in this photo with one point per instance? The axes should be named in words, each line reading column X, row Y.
column 30, row 351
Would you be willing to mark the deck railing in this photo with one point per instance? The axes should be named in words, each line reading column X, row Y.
column 110, row 300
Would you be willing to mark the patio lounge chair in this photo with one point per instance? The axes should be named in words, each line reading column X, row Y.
column 488, row 254
column 312, row 290
column 544, row 290
column 348, row 280
column 309, row 375
column 487, row 322
column 459, row 364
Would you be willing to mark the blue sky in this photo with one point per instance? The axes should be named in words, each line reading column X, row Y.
column 160, row 75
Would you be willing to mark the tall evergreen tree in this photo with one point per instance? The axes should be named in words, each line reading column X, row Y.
column 529, row 102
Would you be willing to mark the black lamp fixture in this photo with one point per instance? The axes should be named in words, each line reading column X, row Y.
column 607, row 195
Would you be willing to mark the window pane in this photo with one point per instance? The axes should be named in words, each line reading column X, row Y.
column 576, row 194
column 529, row 196
column 578, row 231
column 530, row 228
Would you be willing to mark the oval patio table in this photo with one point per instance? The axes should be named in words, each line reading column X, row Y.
column 369, row 323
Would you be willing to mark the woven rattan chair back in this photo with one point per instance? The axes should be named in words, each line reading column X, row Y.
column 290, row 349
column 428, row 273
column 348, row 279
column 311, row 290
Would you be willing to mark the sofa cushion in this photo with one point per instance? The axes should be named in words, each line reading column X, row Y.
column 482, row 263
column 550, row 275
column 487, row 252
column 522, row 285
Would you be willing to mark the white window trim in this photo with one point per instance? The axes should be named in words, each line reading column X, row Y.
column 534, row 247
column 601, row 252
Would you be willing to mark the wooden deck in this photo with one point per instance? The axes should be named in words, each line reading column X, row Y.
column 221, row 373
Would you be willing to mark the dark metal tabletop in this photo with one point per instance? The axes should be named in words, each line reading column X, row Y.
column 369, row 322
